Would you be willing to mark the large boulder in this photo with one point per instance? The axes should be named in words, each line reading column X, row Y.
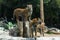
column 54, row 30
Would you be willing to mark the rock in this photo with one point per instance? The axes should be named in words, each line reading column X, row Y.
column 45, row 28
column 1, row 32
column 1, row 28
column 3, row 24
column 54, row 30
column 14, row 31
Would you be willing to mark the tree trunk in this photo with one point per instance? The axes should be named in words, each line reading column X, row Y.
column 42, row 16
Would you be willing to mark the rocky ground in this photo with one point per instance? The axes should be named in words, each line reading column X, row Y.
column 4, row 35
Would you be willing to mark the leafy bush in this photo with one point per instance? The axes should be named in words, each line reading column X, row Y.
column 48, row 32
column 7, row 25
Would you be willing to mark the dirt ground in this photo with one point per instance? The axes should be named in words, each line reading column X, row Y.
column 6, row 34
column 48, row 35
column 52, row 35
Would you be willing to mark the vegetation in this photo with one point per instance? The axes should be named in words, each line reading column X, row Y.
column 51, row 9
column 50, row 32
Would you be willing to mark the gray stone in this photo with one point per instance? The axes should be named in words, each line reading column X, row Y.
column 14, row 31
column 54, row 30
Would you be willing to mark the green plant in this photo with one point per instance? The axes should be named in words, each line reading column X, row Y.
column 9, row 25
column 49, row 32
